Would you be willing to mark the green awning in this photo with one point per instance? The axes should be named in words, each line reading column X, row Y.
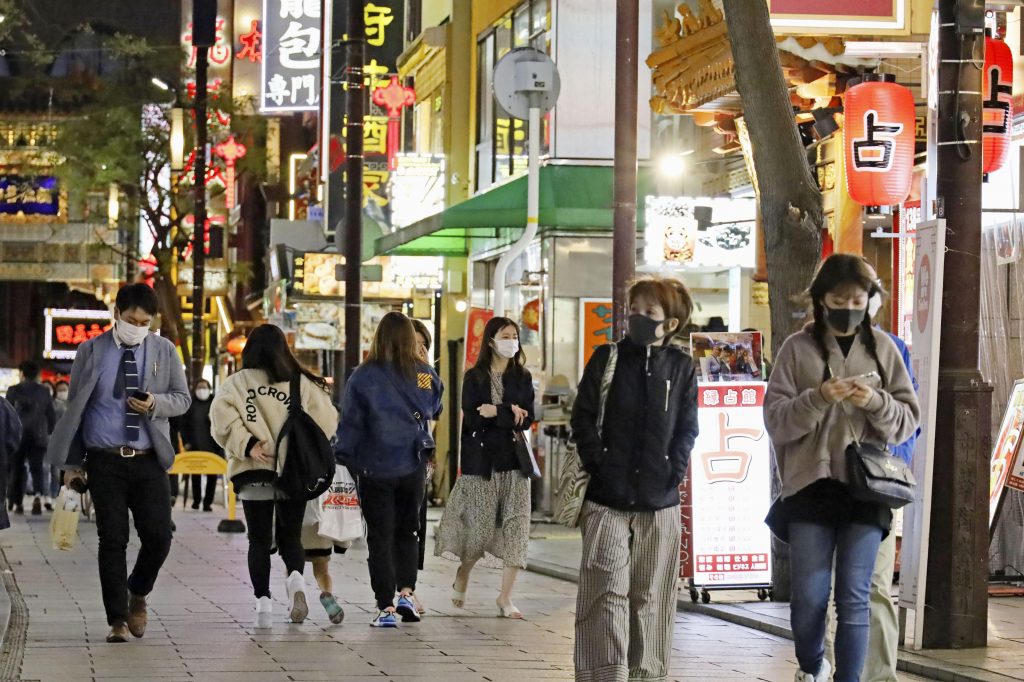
column 577, row 198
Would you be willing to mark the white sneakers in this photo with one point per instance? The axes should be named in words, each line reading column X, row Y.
column 297, row 596
column 264, row 613
column 824, row 675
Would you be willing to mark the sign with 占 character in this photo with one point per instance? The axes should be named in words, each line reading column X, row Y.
column 25, row 198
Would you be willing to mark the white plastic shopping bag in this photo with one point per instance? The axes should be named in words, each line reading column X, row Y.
column 341, row 518
column 64, row 521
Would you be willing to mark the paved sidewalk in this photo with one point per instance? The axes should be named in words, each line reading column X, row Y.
column 555, row 551
column 201, row 623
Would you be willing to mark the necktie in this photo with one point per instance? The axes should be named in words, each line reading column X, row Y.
column 130, row 372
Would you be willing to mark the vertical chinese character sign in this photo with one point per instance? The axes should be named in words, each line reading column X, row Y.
column 291, row 56
column 730, row 493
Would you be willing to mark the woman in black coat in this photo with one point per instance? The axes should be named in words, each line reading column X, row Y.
column 489, row 509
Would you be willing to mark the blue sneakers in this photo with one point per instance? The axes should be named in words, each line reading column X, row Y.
column 384, row 619
column 407, row 610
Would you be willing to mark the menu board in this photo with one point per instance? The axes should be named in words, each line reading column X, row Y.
column 730, row 472
column 1007, row 468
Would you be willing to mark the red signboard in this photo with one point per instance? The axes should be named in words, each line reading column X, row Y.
column 821, row 9
column 475, row 323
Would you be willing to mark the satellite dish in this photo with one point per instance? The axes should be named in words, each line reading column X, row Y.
column 524, row 79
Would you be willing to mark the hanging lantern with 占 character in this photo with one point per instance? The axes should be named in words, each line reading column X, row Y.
column 997, row 104
column 879, row 141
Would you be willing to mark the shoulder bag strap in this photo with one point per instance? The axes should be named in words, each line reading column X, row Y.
column 606, row 383
column 416, row 413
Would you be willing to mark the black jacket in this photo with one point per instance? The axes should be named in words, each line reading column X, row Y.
column 196, row 431
column 650, row 426
column 487, row 443
column 34, row 406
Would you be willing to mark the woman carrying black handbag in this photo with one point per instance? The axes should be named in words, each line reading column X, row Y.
column 489, row 509
column 836, row 384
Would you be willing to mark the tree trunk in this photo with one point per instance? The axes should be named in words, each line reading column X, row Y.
column 791, row 205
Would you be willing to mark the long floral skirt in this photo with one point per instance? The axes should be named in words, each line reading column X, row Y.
column 488, row 520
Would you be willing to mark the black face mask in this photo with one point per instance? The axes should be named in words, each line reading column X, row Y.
column 643, row 330
column 844, row 320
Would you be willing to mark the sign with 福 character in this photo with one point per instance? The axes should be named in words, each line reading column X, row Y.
column 730, row 493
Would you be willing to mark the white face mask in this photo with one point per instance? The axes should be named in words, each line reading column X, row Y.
column 129, row 334
column 203, row 393
column 874, row 305
column 62, row 395
column 506, row 348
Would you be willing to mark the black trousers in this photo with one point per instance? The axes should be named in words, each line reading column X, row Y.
column 28, row 458
column 391, row 507
column 211, row 489
column 120, row 485
column 265, row 522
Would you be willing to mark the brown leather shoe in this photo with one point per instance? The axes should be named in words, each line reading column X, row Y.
column 137, row 616
column 118, row 634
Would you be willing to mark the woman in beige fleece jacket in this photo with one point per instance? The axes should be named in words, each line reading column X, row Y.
column 837, row 379
column 247, row 415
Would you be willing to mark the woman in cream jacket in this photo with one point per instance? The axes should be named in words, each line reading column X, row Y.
column 247, row 415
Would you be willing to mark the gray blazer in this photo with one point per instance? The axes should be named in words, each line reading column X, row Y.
column 163, row 376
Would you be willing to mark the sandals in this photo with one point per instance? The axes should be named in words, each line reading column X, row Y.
column 458, row 598
column 509, row 611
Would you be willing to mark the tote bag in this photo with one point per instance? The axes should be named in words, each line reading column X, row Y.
column 340, row 516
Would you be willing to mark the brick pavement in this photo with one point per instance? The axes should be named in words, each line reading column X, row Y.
column 201, row 623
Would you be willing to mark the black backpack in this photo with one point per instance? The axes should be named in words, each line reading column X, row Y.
column 309, row 469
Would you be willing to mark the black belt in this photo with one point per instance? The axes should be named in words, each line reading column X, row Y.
column 123, row 451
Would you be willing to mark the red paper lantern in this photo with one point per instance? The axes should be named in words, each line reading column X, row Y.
column 236, row 345
column 531, row 315
column 998, row 104
column 879, row 141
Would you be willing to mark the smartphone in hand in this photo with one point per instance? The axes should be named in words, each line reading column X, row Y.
column 140, row 395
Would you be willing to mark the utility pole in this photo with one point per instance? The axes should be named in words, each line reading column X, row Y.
column 204, row 20
column 352, row 246
column 956, row 596
column 627, row 21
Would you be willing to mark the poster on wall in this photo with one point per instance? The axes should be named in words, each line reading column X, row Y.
column 476, row 321
column 1007, row 468
column 730, row 469
column 724, row 356
column 595, row 327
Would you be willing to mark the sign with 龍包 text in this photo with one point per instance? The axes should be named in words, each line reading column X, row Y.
column 291, row 56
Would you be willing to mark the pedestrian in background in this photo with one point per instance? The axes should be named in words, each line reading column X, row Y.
column 630, row 519
column 247, row 415
column 837, row 380
column 125, row 385
column 50, row 471
column 196, row 432
column 33, row 402
column 318, row 551
column 10, row 438
column 423, row 343
column 384, row 438
column 488, row 512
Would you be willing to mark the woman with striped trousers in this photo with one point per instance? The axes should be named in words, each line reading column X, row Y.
column 630, row 519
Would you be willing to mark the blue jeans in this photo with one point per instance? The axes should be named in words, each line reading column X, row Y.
column 812, row 549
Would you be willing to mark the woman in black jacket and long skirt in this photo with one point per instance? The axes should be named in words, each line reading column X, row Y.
column 489, row 509
column 626, row 602
column 196, row 432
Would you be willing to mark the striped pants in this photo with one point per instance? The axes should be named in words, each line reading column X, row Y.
column 626, row 603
